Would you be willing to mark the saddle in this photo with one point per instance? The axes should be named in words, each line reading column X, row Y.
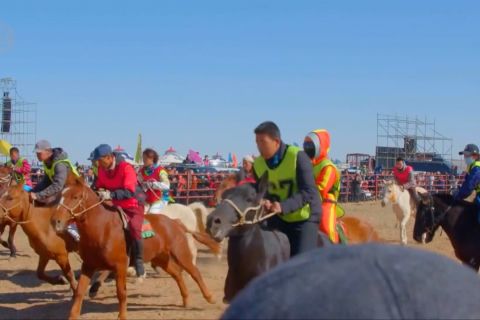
column 123, row 216
column 147, row 230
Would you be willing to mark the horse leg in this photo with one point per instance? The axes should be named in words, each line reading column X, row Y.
column 187, row 264
column 102, row 277
column 42, row 264
column 64, row 264
column 121, row 281
column 11, row 235
column 80, row 293
column 3, row 243
column 193, row 248
column 174, row 270
column 403, row 229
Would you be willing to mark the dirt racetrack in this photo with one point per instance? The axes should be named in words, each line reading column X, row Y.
column 23, row 296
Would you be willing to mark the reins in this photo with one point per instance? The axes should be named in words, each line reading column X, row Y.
column 257, row 218
column 9, row 218
column 71, row 210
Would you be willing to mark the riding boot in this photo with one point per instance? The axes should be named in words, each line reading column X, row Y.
column 138, row 259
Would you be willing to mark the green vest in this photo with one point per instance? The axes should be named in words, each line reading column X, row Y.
column 18, row 177
column 319, row 167
column 50, row 172
column 283, row 182
column 469, row 170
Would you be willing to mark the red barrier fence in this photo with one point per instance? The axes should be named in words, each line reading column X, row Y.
column 362, row 188
column 201, row 187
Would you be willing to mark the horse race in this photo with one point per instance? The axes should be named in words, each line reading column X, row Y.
column 239, row 160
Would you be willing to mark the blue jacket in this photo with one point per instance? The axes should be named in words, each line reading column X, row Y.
column 472, row 180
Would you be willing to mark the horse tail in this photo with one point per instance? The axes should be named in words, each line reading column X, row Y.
column 203, row 238
column 201, row 214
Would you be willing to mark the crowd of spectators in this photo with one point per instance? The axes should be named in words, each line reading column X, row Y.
column 363, row 187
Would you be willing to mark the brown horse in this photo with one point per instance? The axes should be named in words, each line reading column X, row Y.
column 6, row 179
column 15, row 206
column 103, row 245
column 357, row 231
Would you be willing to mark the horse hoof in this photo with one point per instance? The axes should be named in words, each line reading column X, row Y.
column 131, row 272
column 210, row 300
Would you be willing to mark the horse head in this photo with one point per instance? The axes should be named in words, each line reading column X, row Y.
column 389, row 193
column 76, row 197
column 235, row 204
column 14, row 202
column 427, row 219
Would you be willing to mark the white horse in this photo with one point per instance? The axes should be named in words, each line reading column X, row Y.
column 402, row 204
column 193, row 217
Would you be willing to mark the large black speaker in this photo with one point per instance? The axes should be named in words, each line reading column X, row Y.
column 6, row 113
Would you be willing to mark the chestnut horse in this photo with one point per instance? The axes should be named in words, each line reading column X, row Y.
column 357, row 231
column 103, row 245
column 15, row 206
column 6, row 179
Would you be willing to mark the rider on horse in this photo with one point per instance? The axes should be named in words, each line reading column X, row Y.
column 327, row 178
column 155, row 182
column 56, row 166
column 292, row 191
column 21, row 168
column 471, row 155
column 117, row 181
column 405, row 177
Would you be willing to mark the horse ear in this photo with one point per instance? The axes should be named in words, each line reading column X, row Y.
column 262, row 187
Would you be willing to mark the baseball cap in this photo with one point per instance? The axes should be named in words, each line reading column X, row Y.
column 42, row 145
column 469, row 150
column 249, row 158
column 101, row 151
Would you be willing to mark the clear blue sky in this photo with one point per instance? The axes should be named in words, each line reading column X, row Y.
column 202, row 74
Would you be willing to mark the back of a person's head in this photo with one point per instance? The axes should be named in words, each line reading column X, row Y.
column 362, row 282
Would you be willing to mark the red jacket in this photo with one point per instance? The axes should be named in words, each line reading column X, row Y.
column 402, row 177
column 123, row 178
column 153, row 195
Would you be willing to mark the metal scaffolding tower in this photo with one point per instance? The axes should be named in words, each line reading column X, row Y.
column 22, row 132
column 410, row 138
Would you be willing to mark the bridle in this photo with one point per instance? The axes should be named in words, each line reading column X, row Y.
column 80, row 204
column 7, row 211
column 4, row 180
column 436, row 221
column 257, row 218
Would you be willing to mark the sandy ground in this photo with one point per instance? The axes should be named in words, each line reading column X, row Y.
column 23, row 296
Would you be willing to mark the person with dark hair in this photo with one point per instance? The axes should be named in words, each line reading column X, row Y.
column 117, row 182
column 155, row 182
column 404, row 176
column 21, row 168
column 292, row 190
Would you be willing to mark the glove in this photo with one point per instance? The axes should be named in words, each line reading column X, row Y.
column 105, row 195
column 148, row 184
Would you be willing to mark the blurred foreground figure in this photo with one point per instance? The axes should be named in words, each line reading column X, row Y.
column 362, row 282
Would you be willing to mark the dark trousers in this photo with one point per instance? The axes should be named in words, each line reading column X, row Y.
column 303, row 236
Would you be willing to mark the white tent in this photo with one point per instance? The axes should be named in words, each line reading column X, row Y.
column 170, row 157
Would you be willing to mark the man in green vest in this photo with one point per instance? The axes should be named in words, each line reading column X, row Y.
column 292, row 191
column 56, row 166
